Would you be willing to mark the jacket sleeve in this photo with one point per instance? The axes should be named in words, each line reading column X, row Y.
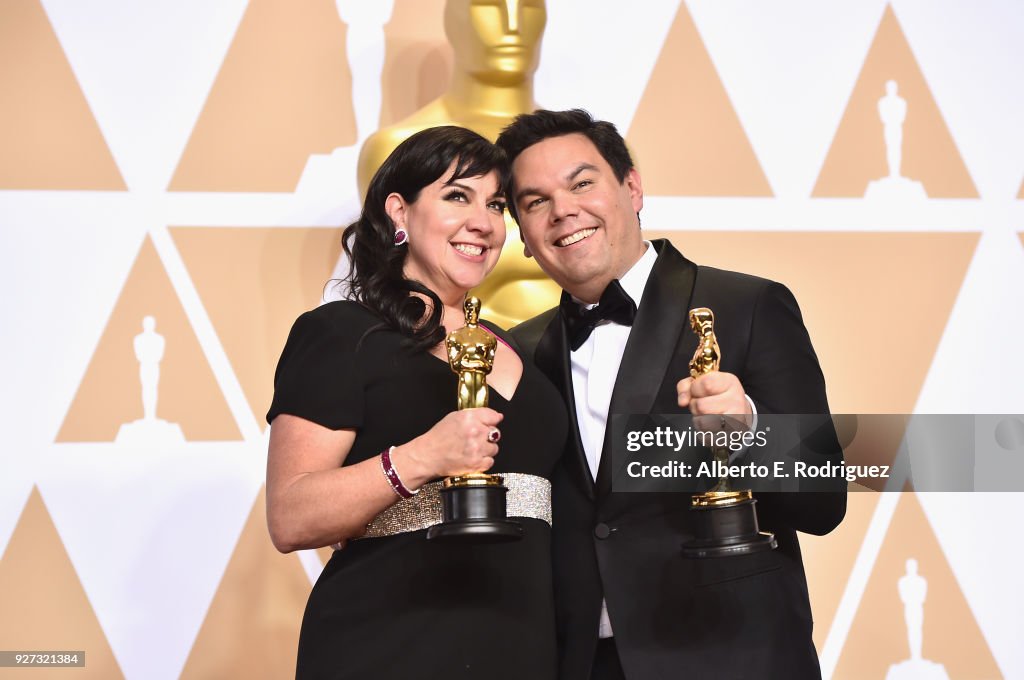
column 781, row 374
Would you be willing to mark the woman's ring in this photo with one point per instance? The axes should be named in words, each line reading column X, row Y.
column 494, row 435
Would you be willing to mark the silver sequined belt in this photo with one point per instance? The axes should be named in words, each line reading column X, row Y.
column 528, row 496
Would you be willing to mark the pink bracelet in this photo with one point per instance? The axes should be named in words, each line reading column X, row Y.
column 391, row 474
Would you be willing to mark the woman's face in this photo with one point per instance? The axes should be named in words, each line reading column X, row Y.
column 456, row 230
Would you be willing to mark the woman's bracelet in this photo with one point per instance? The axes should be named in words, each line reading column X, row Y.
column 391, row 474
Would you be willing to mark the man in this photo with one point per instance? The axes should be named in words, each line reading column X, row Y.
column 629, row 605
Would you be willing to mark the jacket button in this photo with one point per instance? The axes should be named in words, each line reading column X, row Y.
column 602, row 531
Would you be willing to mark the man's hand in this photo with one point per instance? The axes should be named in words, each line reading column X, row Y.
column 714, row 394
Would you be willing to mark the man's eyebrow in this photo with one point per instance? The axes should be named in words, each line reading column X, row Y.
column 526, row 191
column 582, row 167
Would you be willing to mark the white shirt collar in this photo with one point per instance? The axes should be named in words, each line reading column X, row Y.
column 635, row 280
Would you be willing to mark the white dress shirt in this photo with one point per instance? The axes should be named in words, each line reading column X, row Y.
column 595, row 366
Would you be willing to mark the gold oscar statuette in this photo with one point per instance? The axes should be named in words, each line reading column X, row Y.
column 473, row 504
column 471, row 355
column 725, row 522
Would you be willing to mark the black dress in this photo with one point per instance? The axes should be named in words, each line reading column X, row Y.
column 401, row 606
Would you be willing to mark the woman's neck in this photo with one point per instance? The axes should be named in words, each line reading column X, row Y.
column 453, row 316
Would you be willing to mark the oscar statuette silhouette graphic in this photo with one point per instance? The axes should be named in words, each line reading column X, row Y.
column 473, row 506
column 149, row 351
column 725, row 521
column 913, row 589
column 892, row 109
column 365, row 50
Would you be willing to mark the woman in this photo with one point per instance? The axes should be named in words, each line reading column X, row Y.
column 364, row 419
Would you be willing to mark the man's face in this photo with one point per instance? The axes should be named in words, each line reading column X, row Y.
column 577, row 219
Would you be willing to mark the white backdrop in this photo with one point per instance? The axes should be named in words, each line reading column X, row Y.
column 121, row 195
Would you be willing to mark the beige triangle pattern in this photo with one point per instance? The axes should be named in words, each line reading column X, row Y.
column 253, row 283
column 876, row 440
column 685, row 136
column 252, row 627
column 840, row 279
column 283, row 92
column 858, row 152
column 878, row 634
column 417, row 61
column 53, row 611
column 49, row 137
column 110, row 394
column 829, row 560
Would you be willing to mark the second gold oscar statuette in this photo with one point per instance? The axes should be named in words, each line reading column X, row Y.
column 725, row 521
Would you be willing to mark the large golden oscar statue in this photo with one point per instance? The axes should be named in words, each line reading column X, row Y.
column 496, row 49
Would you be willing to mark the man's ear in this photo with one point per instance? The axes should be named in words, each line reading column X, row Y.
column 395, row 206
column 636, row 189
column 526, row 250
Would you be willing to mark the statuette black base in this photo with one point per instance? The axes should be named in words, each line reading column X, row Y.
column 725, row 530
column 475, row 514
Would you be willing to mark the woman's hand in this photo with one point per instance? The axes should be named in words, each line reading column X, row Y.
column 462, row 442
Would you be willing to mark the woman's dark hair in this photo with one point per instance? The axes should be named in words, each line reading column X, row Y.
column 376, row 277
column 529, row 128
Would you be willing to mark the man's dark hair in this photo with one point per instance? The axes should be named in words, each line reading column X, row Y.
column 529, row 128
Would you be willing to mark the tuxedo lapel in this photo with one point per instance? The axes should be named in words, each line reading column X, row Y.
column 662, row 315
column 552, row 358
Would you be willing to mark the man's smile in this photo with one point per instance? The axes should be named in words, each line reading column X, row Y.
column 575, row 237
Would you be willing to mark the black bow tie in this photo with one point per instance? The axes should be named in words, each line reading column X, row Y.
column 615, row 305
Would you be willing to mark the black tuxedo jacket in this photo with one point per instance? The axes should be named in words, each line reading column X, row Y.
column 730, row 617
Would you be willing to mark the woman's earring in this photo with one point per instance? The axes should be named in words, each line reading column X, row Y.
column 401, row 236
